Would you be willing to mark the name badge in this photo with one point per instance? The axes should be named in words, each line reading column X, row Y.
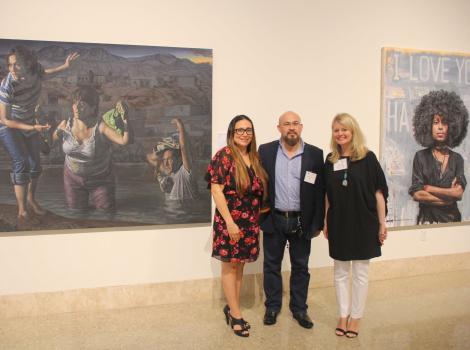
column 340, row 164
column 310, row 177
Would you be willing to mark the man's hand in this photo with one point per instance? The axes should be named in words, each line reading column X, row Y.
column 178, row 123
column 39, row 127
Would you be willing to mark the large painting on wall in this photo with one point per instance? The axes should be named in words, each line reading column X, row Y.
column 425, row 146
column 103, row 135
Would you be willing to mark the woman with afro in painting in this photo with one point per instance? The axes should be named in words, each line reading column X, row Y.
column 438, row 182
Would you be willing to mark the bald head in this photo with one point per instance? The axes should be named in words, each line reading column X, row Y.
column 289, row 116
column 290, row 127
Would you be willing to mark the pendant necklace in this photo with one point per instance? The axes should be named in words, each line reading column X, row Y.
column 443, row 163
column 345, row 178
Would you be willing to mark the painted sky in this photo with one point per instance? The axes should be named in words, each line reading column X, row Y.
column 127, row 51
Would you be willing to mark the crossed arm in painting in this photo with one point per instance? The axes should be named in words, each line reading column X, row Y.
column 439, row 195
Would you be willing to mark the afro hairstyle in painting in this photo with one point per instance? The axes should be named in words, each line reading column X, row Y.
column 450, row 107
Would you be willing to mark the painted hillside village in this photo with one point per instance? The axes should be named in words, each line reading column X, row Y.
column 159, row 85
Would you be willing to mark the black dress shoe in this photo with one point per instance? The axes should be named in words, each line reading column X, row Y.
column 270, row 317
column 303, row 319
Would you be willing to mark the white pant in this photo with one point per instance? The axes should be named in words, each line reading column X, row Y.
column 360, row 283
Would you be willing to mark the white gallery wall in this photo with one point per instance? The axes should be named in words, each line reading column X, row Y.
column 317, row 58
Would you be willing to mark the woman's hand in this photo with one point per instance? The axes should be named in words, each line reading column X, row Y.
column 233, row 231
column 70, row 58
column 122, row 111
column 325, row 230
column 456, row 189
column 382, row 233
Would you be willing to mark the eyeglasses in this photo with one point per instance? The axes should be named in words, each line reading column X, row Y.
column 289, row 124
column 241, row 131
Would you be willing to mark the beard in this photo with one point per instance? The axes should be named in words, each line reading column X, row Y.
column 291, row 139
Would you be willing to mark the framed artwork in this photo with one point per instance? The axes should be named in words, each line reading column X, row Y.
column 103, row 135
column 425, row 147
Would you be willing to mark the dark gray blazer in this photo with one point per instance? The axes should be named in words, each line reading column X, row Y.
column 312, row 203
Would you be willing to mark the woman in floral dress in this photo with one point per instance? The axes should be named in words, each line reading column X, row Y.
column 237, row 181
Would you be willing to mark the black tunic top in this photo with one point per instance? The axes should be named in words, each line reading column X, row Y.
column 353, row 223
column 427, row 171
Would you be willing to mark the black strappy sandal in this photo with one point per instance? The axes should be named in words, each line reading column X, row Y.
column 351, row 334
column 243, row 332
column 227, row 317
column 341, row 331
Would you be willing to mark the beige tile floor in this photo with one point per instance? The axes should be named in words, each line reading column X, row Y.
column 423, row 312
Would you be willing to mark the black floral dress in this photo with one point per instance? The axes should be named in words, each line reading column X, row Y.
column 244, row 210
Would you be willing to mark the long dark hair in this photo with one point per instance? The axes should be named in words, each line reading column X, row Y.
column 242, row 178
column 27, row 57
column 90, row 96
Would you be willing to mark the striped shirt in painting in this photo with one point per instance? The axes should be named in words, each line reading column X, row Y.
column 22, row 97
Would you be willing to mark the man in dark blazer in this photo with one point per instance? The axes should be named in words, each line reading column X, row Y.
column 296, row 200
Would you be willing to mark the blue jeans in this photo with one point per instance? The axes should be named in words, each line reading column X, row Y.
column 274, row 244
column 24, row 152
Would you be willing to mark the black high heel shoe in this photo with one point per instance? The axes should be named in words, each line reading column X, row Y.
column 227, row 317
column 243, row 332
column 227, row 314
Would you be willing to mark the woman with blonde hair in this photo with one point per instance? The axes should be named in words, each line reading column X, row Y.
column 355, row 204
column 237, row 182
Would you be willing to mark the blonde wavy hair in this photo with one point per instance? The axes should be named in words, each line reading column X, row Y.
column 358, row 147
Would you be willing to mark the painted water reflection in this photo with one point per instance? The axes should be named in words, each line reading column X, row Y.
column 138, row 198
